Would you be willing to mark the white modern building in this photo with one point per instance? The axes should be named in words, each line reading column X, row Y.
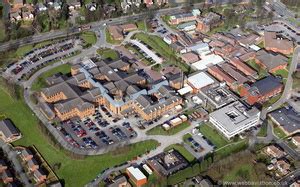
column 234, row 119
column 206, row 61
column 200, row 80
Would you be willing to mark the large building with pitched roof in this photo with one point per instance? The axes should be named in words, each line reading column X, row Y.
column 113, row 84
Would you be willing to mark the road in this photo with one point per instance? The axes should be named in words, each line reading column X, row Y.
column 290, row 178
column 13, row 157
column 95, row 26
column 288, row 86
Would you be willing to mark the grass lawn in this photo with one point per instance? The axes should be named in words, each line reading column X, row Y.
column 261, row 71
column 182, row 150
column 141, row 25
column 261, row 44
column 40, row 82
column 158, row 130
column 23, row 49
column 108, row 53
column 230, row 149
column 278, row 132
column 283, row 73
column 109, row 38
column 89, row 167
column 213, row 135
column 162, row 48
column 263, row 130
column 89, row 37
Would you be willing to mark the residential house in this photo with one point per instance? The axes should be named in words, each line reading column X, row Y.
column 261, row 90
column 8, row 132
column 27, row 16
column 39, row 175
column 283, row 166
column 148, row 3
column 26, row 155
column 41, row 7
column 15, row 16
column 119, row 181
column 91, row 6
column 32, row 164
column 7, row 177
column 3, row 166
column 274, row 151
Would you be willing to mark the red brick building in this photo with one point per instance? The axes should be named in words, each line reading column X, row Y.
column 222, row 76
column 243, row 67
column 262, row 90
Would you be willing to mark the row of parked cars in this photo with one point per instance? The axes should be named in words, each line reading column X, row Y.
column 93, row 132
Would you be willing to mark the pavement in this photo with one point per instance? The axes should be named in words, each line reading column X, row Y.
column 13, row 157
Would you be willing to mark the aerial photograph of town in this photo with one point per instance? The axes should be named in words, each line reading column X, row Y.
column 149, row 93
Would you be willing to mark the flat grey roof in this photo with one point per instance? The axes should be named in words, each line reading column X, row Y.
column 288, row 118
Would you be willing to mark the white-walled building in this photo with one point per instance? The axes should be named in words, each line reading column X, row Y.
column 234, row 119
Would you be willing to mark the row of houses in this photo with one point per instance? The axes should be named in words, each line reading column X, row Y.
column 34, row 167
column 21, row 10
column 127, row 4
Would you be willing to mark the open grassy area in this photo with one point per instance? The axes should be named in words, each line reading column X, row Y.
column 213, row 135
column 230, row 149
column 89, row 37
column 108, row 53
column 40, row 82
column 278, row 132
column 141, row 25
column 182, row 150
column 283, row 73
column 89, row 167
column 158, row 130
column 263, row 130
column 261, row 71
column 109, row 38
column 163, row 49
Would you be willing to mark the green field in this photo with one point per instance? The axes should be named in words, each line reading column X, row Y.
column 40, row 82
column 261, row 71
column 109, row 38
column 158, row 130
column 163, row 49
column 108, row 53
column 70, row 168
column 141, row 25
column 230, row 149
column 213, row 135
column 89, row 37
column 278, row 132
column 263, row 130
column 283, row 73
column 182, row 150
